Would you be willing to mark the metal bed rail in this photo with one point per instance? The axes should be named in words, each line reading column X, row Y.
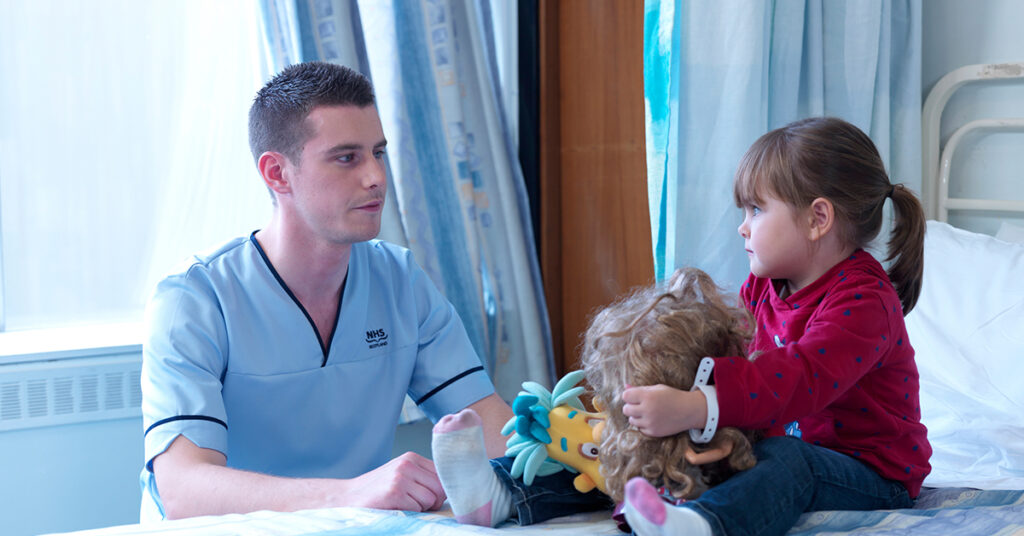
column 935, row 184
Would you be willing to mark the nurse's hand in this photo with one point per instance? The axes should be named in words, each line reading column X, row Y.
column 408, row 482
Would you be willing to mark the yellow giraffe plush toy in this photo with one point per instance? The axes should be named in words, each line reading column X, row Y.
column 551, row 432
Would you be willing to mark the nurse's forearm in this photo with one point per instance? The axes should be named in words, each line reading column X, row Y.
column 494, row 413
column 194, row 481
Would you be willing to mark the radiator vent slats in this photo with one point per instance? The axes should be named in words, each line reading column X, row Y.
column 70, row 391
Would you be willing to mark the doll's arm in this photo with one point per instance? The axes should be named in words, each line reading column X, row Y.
column 711, row 455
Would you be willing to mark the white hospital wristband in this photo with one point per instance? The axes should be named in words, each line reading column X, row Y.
column 701, row 383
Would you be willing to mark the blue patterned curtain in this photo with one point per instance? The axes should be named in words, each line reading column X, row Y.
column 717, row 75
column 457, row 195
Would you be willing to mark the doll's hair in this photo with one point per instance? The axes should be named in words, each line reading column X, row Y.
column 658, row 335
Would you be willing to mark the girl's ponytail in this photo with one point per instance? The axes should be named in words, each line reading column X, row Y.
column 906, row 246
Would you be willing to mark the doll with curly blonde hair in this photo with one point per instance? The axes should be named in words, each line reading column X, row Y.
column 658, row 335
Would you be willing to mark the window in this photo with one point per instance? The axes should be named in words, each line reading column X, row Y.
column 123, row 149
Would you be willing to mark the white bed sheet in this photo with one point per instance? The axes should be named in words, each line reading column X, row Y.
column 362, row 521
column 964, row 512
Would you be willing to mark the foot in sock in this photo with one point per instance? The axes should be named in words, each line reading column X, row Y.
column 475, row 493
column 648, row 515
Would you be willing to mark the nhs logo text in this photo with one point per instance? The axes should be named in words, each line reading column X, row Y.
column 376, row 338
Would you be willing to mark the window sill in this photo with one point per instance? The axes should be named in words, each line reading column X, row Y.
column 69, row 342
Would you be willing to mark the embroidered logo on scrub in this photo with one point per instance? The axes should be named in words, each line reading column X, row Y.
column 376, row 338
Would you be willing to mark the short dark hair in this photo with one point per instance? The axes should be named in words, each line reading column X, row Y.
column 277, row 118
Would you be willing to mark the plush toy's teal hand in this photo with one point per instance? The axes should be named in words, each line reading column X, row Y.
column 522, row 404
column 531, row 420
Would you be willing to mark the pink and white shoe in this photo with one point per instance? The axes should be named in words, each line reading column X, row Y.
column 649, row 515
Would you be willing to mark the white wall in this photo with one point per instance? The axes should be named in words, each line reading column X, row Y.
column 962, row 32
column 70, row 477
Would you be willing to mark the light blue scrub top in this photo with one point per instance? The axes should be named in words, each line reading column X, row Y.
column 234, row 363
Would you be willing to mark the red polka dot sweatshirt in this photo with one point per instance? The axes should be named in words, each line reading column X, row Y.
column 835, row 357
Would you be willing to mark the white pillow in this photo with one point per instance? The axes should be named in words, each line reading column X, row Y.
column 968, row 332
column 1010, row 232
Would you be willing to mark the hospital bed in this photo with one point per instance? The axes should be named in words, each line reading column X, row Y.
column 967, row 329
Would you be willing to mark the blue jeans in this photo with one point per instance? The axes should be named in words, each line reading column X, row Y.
column 549, row 496
column 792, row 477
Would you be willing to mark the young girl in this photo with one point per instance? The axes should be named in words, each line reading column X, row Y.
column 834, row 382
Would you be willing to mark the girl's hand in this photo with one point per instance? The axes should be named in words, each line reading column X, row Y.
column 660, row 410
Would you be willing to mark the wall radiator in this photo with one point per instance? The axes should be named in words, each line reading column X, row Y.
column 67, row 391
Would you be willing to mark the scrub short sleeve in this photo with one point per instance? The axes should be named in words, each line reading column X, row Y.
column 182, row 366
column 448, row 375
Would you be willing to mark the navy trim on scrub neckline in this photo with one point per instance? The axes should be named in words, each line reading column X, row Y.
column 435, row 390
column 326, row 348
column 185, row 418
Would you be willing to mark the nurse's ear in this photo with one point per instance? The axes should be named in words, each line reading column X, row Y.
column 273, row 167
